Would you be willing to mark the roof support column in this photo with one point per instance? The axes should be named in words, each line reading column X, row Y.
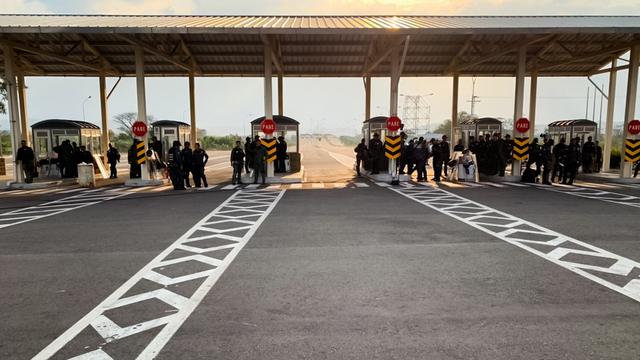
column 104, row 115
column 280, row 94
column 519, row 101
column 454, row 108
column 13, row 112
column 393, row 101
column 367, row 105
column 22, row 97
column 611, row 100
column 268, row 98
column 142, row 102
column 192, row 107
column 630, row 107
column 533, row 98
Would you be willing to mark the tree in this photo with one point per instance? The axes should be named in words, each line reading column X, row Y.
column 445, row 127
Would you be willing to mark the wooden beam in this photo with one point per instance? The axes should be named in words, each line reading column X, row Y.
column 152, row 50
column 388, row 47
column 273, row 46
column 585, row 57
column 28, row 67
column 187, row 51
column 503, row 52
column 52, row 55
column 106, row 63
column 458, row 56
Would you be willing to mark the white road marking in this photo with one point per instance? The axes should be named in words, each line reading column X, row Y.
column 516, row 184
column 229, row 187
column 474, row 184
column 234, row 211
column 522, row 233
column 345, row 160
column 382, row 184
column 595, row 194
column 252, row 186
column 496, row 185
column 361, row 185
column 59, row 206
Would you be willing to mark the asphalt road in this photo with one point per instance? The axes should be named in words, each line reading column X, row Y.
column 358, row 272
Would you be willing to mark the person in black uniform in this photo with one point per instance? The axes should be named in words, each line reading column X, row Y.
column 546, row 158
column 420, row 156
column 559, row 155
column 446, row 154
column 376, row 150
column 501, row 154
column 588, row 155
column 200, row 159
column 174, row 158
column 187, row 162
column 534, row 156
column 572, row 161
column 237, row 160
column 598, row 164
column 438, row 159
column 134, row 168
column 156, row 145
column 411, row 161
column 361, row 155
column 281, row 154
column 27, row 161
column 113, row 158
column 248, row 164
column 260, row 162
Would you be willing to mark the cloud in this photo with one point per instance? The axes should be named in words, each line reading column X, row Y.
column 143, row 7
column 23, row 7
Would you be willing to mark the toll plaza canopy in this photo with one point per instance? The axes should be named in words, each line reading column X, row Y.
column 331, row 46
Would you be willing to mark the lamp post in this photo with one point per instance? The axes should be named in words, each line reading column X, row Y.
column 83, row 111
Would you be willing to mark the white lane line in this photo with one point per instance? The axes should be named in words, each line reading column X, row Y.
column 345, row 160
column 524, row 234
column 474, row 184
column 496, row 185
column 515, row 184
column 216, row 226
column 57, row 207
column 252, row 186
column 72, row 190
column 595, row 194
column 382, row 184
column 361, row 185
column 229, row 187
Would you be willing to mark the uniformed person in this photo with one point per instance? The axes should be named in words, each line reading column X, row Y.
column 113, row 158
column 27, row 161
column 174, row 158
column 260, row 163
column 281, row 155
column 559, row 156
column 237, row 162
column 588, row 155
column 572, row 161
column 200, row 159
column 361, row 155
column 546, row 157
column 376, row 152
column 187, row 162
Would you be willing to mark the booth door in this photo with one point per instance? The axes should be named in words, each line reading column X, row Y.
column 41, row 143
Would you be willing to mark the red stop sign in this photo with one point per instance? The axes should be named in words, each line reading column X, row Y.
column 393, row 123
column 634, row 127
column 268, row 126
column 522, row 125
column 139, row 128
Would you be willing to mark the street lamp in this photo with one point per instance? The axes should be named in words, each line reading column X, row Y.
column 83, row 111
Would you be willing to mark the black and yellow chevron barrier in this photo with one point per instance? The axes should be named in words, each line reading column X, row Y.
column 392, row 146
column 141, row 156
column 520, row 148
column 632, row 150
column 270, row 145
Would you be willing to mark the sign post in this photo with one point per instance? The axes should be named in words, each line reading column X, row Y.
column 520, row 143
column 392, row 145
column 268, row 127
column 139, row 130
column 632, row 143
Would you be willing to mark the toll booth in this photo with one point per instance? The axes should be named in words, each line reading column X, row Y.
column 568, row 129
column 290, row 129
column 479, row 127
column 168, row 131
column 377, row 124
column 48, row 134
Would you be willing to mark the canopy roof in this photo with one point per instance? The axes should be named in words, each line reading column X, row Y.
column 377, row 120
column 331, row 46
column 63, row 124
column 278, row 119
column 576, row 122
column 484, row 120
column 169, row 123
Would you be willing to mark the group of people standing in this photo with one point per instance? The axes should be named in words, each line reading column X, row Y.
column 69, row 156
column 414, row 156
column 253, row 157
column 183, row 162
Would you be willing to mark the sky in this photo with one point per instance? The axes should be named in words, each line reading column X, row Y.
column 226, row 105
